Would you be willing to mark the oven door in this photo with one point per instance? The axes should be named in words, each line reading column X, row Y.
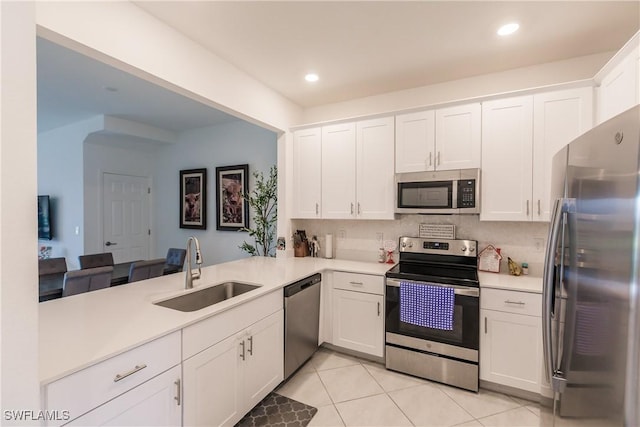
column 462, row 342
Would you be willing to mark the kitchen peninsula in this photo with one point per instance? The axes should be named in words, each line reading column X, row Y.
column 88, row 339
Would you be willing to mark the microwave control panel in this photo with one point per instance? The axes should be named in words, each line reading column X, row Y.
column 467, row 193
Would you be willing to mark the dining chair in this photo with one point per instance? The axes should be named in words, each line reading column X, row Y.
column 141, row 270
column 89, row 279
column 51, row 266
column 96, row 260
column 175, row 260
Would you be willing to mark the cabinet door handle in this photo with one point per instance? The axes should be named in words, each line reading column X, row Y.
column 317, row 207
column 131, row 372
column 356, row 283
column 378, row 308
column 351, row 208
column 485, row 325
column 539, row 207
column 527, row 208
column 514, row 302
column 359, row 210
column 242, row 355
column 430, row 158
column 438, row 158
column 250, row 346
column 178, row 396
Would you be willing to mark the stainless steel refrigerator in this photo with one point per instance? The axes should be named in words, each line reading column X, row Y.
column 591, row 328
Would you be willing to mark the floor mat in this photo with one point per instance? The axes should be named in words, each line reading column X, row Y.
column 278, row 410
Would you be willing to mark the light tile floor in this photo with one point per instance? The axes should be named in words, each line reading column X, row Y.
column 349, row 391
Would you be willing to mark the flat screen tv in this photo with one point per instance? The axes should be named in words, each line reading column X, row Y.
column 44, row 218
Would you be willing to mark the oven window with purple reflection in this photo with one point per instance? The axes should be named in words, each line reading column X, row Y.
column 428, row 306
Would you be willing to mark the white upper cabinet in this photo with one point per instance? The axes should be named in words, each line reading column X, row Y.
column 558, row 118
column 374, row 169
column 443, row 139
column 507, row 145
column 345, row 171
column 520, row 136
column 415, row 139
column 458, row 137
column 307, row 172
column 339, row 171
column 620, row 87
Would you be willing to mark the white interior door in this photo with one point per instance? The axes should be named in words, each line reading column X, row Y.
column 125, row 220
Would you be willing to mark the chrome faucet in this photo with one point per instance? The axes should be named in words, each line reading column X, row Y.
column 190, row 275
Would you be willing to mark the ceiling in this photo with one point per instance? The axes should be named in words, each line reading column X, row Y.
column 73, row 87
column 358, row 48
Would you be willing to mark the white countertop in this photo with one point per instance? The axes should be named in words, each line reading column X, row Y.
column 81, row 330
column 512, row 283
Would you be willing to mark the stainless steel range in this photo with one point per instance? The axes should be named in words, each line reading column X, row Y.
column 433, row 311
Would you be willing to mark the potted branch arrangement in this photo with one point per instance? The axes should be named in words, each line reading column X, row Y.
column 263, row 202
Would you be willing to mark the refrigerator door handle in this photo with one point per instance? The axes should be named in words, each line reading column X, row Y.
column 548, row 290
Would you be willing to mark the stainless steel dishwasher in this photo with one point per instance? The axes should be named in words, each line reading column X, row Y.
column 301, row 322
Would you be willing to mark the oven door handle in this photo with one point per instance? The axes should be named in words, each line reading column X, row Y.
column 457, row 290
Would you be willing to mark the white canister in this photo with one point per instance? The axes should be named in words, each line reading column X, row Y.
column 328, row 246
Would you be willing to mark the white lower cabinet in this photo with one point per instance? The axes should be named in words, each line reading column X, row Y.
column 124, row 389
column 226, row 380
column 358, row 312
column 157, row 402
column 511, row 339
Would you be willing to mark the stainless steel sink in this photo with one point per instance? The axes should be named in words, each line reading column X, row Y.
column 204, row 298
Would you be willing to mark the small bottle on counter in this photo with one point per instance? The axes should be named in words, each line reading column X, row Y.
column 381, row 255
column 525, row 268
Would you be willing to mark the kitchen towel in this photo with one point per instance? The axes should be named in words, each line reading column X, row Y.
column 425, row 305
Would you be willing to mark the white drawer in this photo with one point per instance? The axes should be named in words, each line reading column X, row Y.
column 84, row 390
column 511, row 301
column 358, row 282
column 210, row 331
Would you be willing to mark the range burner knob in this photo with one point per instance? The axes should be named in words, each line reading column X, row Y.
column 463, row 249
column 472, row 249
column 404, row 244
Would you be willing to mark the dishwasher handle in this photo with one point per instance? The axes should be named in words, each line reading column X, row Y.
column 301, row 285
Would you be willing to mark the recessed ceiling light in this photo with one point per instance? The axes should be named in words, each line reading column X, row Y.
column 311, row 77
column 507, row 29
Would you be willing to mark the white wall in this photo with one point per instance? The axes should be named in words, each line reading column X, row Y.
column 575, row 69
column 223, row 145
column 516, row 239
column 19, row 382
column 60, row 175
column 117, row 154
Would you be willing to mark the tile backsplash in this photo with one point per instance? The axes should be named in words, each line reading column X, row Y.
column 359, row 239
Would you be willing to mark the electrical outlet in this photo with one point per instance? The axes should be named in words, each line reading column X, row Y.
column 379, row 237
column 538, row 243
column 342, row 234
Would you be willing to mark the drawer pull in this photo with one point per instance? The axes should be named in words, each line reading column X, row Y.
column 378, row 309
column 356, row 283
column 514, row 302
column 178, row 396
column 243, row 350
column 131, row 372
column 485, row 324
column 250, row 346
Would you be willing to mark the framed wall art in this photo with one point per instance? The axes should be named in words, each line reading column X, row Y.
column 193, row 199
column 231, row 207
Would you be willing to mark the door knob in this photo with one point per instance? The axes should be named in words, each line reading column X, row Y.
column 110, row 244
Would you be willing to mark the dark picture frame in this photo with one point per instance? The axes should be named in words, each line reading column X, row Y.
column 193, row 199
column 232, row 209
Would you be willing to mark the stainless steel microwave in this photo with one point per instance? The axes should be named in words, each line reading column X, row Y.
column 439, row 192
